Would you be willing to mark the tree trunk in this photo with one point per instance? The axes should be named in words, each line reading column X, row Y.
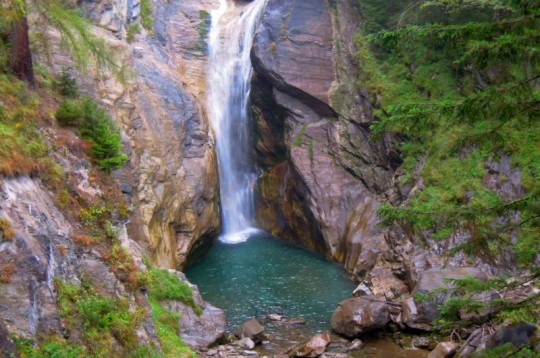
column 20, row 60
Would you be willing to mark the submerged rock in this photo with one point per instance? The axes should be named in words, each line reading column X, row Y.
column 359, row 315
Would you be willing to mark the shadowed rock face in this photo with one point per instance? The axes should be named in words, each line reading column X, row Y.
column 321, row 175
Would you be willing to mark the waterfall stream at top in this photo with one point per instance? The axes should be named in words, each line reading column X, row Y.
column 229, row 76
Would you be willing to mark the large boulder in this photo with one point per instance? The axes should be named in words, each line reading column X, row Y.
column 199, row 331
column 358, row 315
column 251, row 329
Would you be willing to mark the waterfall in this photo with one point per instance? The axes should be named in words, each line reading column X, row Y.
column 229, row 76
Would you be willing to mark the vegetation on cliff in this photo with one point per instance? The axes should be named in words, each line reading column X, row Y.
column 32, row 103
column 457, row 82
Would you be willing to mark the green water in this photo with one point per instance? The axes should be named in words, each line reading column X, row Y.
column 264, row 275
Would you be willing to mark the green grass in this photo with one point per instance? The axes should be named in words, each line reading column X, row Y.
column 22, row 150
column 167, row 324
column 132, row 31
column 299, row 139
column 147, row 16
column 101, row 320
column 165, row 286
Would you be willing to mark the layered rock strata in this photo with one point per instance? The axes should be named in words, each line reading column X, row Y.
column 171, row 178
column 322, row 174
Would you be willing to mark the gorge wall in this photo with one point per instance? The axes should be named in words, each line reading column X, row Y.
column 171, row 179
column 323, row 175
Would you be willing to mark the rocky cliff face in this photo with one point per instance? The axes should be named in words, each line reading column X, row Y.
column 323, row 174
column 171, row 178
column 170, row 184
column 323, row 177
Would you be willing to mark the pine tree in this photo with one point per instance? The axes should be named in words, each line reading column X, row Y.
column 459, row 87
column 83, row 46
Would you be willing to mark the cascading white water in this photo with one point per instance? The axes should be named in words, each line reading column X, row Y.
column 229, row 76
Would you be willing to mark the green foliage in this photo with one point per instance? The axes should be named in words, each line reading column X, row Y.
column 97, row 222
column 456, row 82
column 69, row 113
column 424, row 78
column 132, row 31
column 167, row 286
column 50, row 347
column 147, row 16
column 508, row 350
column 162, row 287
column 299, row 139
column 100, row 130
column 84, row 47
column 67, row 85
column 167, row 324
column 102, row 320
column 203, row 28
column 147, row 352
column 22, row 150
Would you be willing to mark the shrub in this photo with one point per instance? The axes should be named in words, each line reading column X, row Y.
column 6, row 230
column 69, row 113
column 67, row 85
column 100, row 130
column 132, row 30
column 6, row 272
column 101, row 318
column 167, row 286
column 50, row 346
column 146, row 14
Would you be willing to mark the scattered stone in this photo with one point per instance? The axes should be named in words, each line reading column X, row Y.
column 250, row 353
column 444, row 350
column 362, row 290
column 212, row 352
column 358, row 315
column 355, row 345
column 421, row 342
column 314, row 348
column 251, row 329
column 274, row 317
column 246, row 343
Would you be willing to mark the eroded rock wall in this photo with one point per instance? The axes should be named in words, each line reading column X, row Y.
column 323, row 177
column 171, row 179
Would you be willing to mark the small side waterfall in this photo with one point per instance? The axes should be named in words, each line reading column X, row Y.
column 229, row 75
